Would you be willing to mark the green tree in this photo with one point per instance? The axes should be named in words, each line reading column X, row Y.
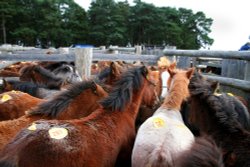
column 108, row 22
column 7, row 10
column 195, row 29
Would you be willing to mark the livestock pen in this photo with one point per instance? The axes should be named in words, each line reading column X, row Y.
column 231, row 63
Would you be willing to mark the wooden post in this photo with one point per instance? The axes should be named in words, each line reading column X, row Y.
column 83, row 60
column 247, row 71
column 138, row 49
column 102, row 47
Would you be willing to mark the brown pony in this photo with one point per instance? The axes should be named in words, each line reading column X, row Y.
column 13, row 104
column 96, row 140
column 79, row 100
column 113, row 73
column 219, row 117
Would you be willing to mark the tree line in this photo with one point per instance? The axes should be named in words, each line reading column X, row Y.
column 107, row 22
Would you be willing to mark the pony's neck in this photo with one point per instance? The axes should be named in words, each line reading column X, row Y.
column 176, row 95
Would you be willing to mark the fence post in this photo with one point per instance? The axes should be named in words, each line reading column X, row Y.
column 247, row 71
column 83, row 61
column 138, row 49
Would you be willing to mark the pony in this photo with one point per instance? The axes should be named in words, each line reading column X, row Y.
column 79, row 100
column 96, row 140
column 218, row 116
column 36, row 90
column 239, row 108
column 13, row 104
column 39, row 75
column 113, row 73
column 63, row 75
column 203, row 153
column 164, row 136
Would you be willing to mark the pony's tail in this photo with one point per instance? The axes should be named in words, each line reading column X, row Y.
column 204, row 152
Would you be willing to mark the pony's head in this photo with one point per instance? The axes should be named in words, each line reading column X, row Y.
column 68, row 73
column 151, row 95
column 163, row 63
column 200, row 86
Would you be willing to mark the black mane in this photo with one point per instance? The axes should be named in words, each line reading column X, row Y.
column 122, row 93
column 60, row 102
column 104, row 73
column 46, row 73
column 52, row 81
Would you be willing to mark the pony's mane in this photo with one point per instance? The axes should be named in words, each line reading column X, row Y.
column 123, row 89
column 27, row 87
column 46, row 73
column 225, row 108
column 39, row 69
column 104, row 73
column 60, row 102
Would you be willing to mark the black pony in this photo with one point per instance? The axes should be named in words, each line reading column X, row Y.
column 203, row 153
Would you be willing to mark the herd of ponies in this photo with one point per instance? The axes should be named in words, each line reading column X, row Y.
column 124, row 115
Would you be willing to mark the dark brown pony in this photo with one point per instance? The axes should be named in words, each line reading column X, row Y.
column 33, row 89
column 79, row 100
column 203, row 153
column 218, row 116
column 14, row 104
column 96, row 140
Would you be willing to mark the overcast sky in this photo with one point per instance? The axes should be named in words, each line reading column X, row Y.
column 231, row 25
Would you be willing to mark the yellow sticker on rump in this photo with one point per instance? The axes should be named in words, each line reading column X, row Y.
column 58, row 133
column 5, row 98
column 158, row 122
column 32, row 127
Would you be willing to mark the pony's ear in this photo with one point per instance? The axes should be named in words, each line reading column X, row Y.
column 215, row 86
column 171, row 72
column 5, row 83
column 113, row 67
column 93, row 86
column 190, row 73
column 144, row 70
column 172, row 65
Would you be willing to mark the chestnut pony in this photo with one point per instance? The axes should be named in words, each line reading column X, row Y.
column 164, row 136
column 13, row 104
column 79, row 100
column 218, row 116
column 96, row 140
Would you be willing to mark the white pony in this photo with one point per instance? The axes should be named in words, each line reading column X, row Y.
column 164, row 136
